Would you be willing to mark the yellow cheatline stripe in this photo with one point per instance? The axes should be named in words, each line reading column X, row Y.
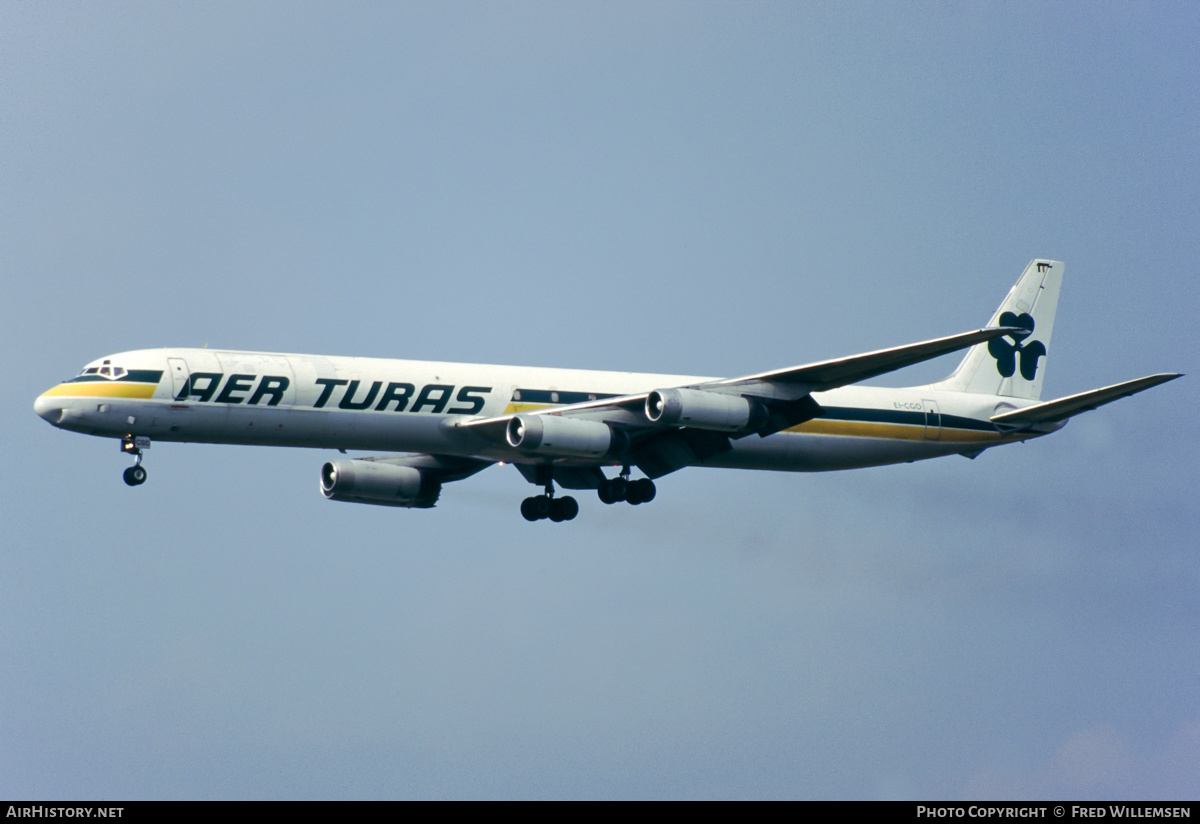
column 861, row 429
column 969, row 435
column 102, row 390
column 514, row 408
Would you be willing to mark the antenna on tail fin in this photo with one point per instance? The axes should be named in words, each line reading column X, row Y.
column 1015, row 364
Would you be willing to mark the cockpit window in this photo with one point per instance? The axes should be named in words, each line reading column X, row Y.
column 106, row 371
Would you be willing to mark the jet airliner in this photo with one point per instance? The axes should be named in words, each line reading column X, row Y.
column 443, row 422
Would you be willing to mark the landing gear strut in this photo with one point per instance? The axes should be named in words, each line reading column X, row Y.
column 537, row 507
column 133, row 445
column 620, row 488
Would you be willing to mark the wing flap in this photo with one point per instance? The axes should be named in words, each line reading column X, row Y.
column 1063, row 408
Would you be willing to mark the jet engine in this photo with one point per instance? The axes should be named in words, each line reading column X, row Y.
column 377, row 482
column 567, row 437
column 705, row 410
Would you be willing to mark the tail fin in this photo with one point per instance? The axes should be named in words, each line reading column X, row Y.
column 1014, row 365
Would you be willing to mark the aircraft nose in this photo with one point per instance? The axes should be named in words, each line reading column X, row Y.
column 49, row 409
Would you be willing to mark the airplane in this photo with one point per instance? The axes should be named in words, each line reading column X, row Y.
column 449, row 421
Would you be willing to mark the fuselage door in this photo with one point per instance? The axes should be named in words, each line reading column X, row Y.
column 933, row 420
column 179, row 375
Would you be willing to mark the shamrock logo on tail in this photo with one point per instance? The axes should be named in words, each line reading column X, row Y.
column 1006, row 353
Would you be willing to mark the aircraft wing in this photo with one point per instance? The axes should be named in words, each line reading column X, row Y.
column 797, row 381
column 779, row 399
column 1063, row 408
column 790, row 384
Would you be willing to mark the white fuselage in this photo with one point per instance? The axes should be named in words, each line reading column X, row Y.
column 384, row 405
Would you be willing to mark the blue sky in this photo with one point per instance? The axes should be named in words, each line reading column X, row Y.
column 692, row 188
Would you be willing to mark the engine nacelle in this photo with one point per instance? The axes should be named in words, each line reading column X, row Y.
column 376, row 482
column 567, row 437
column 704, row 410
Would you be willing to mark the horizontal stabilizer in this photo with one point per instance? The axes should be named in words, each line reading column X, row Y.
column 1063, row 408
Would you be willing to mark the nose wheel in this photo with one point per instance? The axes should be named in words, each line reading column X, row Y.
column 133, row 445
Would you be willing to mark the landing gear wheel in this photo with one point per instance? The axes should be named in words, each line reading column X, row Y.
column 541, row 506
column 641, row 491
column 133, row 445
column 563, row 509
column 570, row 508
column 620, row 488
column 529, row 509
column 537, row 507
column 613, row 490
column 604, row 492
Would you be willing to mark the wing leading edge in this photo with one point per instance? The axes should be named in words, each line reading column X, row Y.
column 797, row 381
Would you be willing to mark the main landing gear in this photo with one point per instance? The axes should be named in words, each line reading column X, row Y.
column 620, row 488
column 133, row 445
column 543, row 506
column 537, row 507
column 611, row 490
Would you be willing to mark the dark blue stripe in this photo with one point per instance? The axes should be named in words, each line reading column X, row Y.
column 555, row 396
column 132, row 376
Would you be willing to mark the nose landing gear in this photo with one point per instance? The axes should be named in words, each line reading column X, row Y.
column 133, row 445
